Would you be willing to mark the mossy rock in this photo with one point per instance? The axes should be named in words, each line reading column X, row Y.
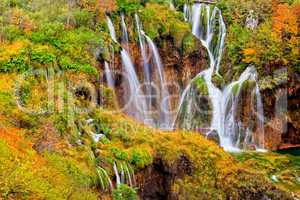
column 235, row 89
column 189, row 44
column 108, row 98
column 201, row 86
column 218, row 81
column 248, row 85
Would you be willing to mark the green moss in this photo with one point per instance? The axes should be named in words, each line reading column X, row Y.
column 248, row 85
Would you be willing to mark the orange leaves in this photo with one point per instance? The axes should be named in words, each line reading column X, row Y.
column 12, row 136
column 21, row 148
column 284, row 20
column 107, row 5
column 285, row 25
column 249, row 52
column 250, row 55
column 19, row 19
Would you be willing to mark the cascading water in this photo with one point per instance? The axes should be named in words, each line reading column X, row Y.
column 138, row 103
column 171, row 5
column 111, row 29
column 108, row 75
column 209, row 27
column 107, row 69
column 187, row 12
column 146, row 64
column 135, row 104
column 125, row 38
column 164, row 107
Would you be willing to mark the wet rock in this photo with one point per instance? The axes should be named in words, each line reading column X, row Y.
column 214, row 136
column 251, row 147
column 218, row 81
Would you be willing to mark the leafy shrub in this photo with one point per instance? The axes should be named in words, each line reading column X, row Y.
column 88, row 69
column 164, row 22
column 124, row 192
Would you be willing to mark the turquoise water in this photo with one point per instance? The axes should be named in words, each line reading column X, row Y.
column 291, row 151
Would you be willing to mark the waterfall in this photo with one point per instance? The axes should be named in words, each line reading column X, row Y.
column 125, row 38
column 107, row 70
column 187, row 12
column 111, row 29
column 118, row 180
column 164, row 107
column 135, row 105
column 146, row 65
column 171, row 5
column 209, row 27
column 108, row 75
column 152, row 58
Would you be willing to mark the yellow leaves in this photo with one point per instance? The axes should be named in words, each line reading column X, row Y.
column 42, row 48
column 7, row 82
column 250, row 55
column 8, row 51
